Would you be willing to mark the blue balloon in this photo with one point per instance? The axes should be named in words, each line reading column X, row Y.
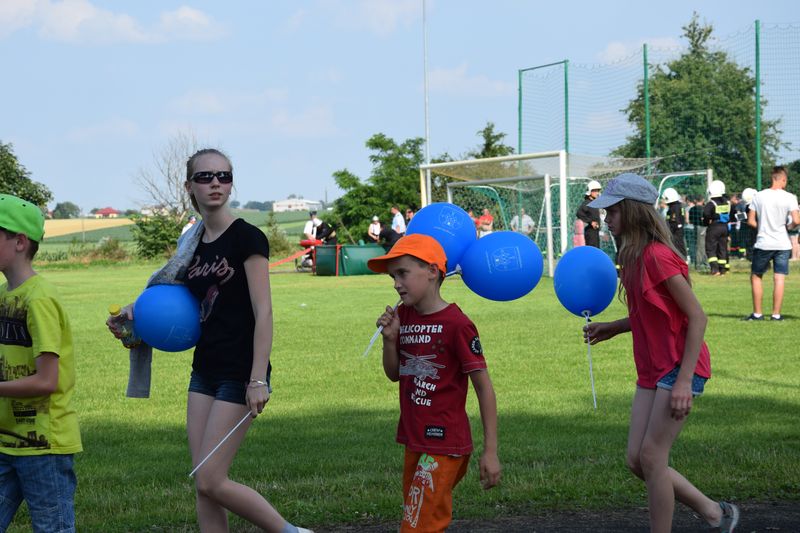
column 585, row 280
column 502, row 266
column 450, row 225
column 167, row 317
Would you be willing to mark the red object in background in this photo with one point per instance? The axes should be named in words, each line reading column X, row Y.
column 305, row 243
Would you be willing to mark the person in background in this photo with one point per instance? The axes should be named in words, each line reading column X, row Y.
column 374, row 231
column 676, row 218
column 522, row 223
column 716, row 215
column 590, row 216
column 310, row 228
column 189, row 224
column 409, row 215
column 485, row 223
column 773, row 211
column 398, row 222
column 40, row 434
column 695, row 215
column 736, row 227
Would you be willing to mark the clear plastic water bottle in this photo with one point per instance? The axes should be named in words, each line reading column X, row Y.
column 129, row 338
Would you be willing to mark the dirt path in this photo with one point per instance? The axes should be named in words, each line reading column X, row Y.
column 771, row 517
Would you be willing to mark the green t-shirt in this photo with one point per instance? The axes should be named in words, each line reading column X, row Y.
column 33, row 322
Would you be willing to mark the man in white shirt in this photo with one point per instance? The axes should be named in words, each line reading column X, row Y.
column 522, row 223
column 773, row 211
column 310, row 229
column 398, row 222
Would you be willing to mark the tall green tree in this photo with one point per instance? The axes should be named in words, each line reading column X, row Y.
column 394, row 180
column 15, row 179
column 702, row 114
column 66, row 210
column 492, row 145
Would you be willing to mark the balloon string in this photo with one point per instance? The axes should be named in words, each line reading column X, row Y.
column 589, row 356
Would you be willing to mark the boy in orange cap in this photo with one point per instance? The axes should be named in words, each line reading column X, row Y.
column 430, row 347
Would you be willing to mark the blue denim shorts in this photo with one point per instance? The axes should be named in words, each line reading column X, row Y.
column 698, row 382
column 226, row 390
column 48, row 489
column 761, row 259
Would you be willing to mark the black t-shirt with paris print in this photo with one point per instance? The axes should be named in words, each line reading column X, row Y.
column 217, row 279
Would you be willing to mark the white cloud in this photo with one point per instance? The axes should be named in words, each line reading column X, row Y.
column 112, row 128
column 211, row 102
column 296, row 21
column 313, row 122
column 459, row 81
column 383, row 16
column 618, row 50
column 15, row 15
column 80, row 21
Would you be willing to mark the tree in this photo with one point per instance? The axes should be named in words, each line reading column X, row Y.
column 702, row 114
column 66, row 210
column 235, row 204
column 394, row 180
column 258, row 206
column 164, row 186
column 492, row 144
column 15, row 179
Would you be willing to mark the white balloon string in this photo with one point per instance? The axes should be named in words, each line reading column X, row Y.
column 220, row 444
column 589, row 356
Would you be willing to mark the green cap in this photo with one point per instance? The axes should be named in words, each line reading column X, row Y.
column 20, row 216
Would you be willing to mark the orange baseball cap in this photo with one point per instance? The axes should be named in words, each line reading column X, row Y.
column 417, row 245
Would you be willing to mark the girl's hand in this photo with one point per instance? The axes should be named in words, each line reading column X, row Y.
column 114, row 322
column 595, row 332
column 490, row 470
column 681, row 400
column 257, row 397
column 391, row 324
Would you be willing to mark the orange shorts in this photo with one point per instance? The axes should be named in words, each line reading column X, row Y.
column 428, row 482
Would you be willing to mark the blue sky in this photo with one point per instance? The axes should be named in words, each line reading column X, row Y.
column 291, row 89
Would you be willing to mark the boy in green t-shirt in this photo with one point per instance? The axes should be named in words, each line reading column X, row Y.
column 38, row 426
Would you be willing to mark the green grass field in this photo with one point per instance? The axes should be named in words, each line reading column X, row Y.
column 323, row 452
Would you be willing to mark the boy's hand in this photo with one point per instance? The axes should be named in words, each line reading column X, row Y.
column 490, row 470
column 595, row 332
column 113, row 322
column 391, row 324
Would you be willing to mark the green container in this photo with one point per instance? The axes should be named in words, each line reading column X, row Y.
column 326, row 260
column 354, row 258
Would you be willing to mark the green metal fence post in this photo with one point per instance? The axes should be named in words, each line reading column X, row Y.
column 758, row 105
column 646, row 108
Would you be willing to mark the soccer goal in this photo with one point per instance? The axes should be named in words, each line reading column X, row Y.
column 546, row 186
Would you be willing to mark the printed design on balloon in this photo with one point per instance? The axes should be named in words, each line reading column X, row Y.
column 449, row 218
column 507, row 259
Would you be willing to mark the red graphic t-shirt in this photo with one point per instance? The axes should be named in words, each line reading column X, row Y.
column 436, row 351
column 658, row 325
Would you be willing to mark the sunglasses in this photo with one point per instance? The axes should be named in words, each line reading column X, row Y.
column 223, row 176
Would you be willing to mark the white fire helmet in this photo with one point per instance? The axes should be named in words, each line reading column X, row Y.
column 748, row 194
column 593, row 186
column 670, row 195
column 717, row 188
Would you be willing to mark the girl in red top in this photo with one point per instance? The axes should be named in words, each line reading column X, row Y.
column 672, row 360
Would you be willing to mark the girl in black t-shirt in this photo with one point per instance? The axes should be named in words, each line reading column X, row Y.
column 229, row 275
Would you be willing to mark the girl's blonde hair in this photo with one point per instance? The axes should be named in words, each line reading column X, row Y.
column 641, row 225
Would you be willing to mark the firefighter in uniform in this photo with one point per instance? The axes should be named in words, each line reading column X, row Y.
column 676, row 218
column 590, row 216
column 716, row 215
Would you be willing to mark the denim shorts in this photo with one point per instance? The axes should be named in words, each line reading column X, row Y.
column 226, row 390
column 49, row 491
column 698, row 382
column 761, row 259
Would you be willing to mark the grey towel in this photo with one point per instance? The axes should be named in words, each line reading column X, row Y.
column 141, row 356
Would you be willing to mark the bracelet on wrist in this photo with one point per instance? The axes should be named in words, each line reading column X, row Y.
column 257, row 383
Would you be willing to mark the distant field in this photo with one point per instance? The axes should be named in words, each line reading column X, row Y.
column 58, row 228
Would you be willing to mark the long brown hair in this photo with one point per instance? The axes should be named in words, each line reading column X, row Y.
column 641, row 225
